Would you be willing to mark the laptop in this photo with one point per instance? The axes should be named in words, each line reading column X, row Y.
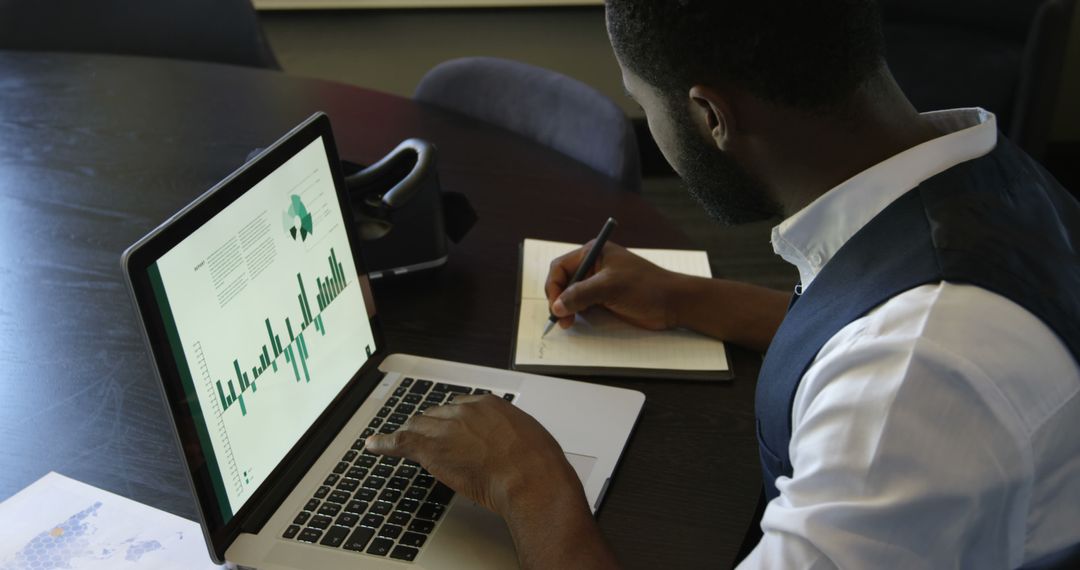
column 266, row 340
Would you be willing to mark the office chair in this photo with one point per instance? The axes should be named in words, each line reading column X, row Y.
column 223, row 31
column 542, row 105
column 1005, row 56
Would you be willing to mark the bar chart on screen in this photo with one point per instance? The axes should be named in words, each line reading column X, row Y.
column 294, row 350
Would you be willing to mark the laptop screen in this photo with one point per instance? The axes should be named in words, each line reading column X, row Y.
column 264, row 312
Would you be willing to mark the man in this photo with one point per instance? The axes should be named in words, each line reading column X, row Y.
column 919, row 405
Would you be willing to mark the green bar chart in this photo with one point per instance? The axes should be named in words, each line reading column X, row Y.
column 295, row 351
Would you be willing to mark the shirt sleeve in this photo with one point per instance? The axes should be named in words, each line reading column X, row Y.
column 905, row 452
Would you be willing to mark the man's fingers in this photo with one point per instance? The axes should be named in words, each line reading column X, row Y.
column 582, row 295
column 408, row 441
column 562, row 269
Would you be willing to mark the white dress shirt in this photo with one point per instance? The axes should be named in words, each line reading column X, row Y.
column 941, row 430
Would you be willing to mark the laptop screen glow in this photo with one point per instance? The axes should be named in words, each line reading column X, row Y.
column 266, row 318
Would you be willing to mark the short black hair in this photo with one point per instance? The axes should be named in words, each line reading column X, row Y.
column 806, row 54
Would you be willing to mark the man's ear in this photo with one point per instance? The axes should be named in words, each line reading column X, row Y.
column 714, row 114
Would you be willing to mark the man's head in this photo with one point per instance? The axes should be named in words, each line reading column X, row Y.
column 704, row 69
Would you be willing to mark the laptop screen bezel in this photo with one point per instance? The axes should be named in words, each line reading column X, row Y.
column 138, row 260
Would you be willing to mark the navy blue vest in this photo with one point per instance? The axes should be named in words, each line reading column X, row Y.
column 999, row 222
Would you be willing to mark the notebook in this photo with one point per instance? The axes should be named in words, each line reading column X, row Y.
column 599, row 343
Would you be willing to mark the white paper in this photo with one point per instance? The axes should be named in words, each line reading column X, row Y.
column 598, row 338
column 58, row 522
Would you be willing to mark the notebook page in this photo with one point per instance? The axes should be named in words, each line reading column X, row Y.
column 598, row 338
column 538, row 255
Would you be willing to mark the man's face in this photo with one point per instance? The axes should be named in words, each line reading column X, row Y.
column 727, row 192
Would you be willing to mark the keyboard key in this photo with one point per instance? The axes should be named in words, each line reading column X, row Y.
column 348, row 519
column 435, row 398
column 382, row 471
column 399, row 518
column 425, row 481
column 390, row 495
column 291, row 531
column 339, row 497
column 356, row 473
column 481, row 391
column 404, row 553
column 426, row 406
column 400, row 391
column 422, row 526
column 368, row 432
column 381, row 508
column 406, row 409
column 359, row 539
column 302, row 518
column 374, row 482
column 348, row 485
column 397, row 418
column 383, row 411
column 375, row 422
column 322, row 492
column 331, row 480
column 413, row 399
column 356, row 507
column 311, row 505
column 412, row 463
column 393, row 401
column 406, row 471
column 341, row 467
column 416, row 493
column 390, row 460
column 350, row 455
column 406, row 382
column 398, row 483
column 330, row 509
column 389, row 428
column 390, row 531
column 413, row 539
column 365, row 494
column 441, row 494
column 380, row 546
column 452, row 388
column 321, row 522
column 508, row 397
column 366, row 461
column 335, row 536
column 371, row 520
column 408, row 505
column 309, row 535
column 359, row 443
column 431, row 511
column 420, row 386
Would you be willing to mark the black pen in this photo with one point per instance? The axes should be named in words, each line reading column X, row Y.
column 586, row 265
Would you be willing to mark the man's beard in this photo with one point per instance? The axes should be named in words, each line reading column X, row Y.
column 727, row 192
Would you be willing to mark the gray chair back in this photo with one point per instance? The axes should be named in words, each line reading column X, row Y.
column 547, row 107
column 222, row 31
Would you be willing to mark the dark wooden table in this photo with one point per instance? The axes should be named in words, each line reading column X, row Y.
column 97, row 150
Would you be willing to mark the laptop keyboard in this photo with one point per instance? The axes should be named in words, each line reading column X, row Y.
column 381, row 505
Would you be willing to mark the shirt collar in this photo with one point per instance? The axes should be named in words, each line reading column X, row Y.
column 812, row 236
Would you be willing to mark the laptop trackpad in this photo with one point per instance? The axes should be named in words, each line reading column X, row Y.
column 582, row 464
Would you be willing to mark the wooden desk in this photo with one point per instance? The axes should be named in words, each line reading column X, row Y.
column 97, row 150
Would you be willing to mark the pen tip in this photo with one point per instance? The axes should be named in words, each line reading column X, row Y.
column 547, row 328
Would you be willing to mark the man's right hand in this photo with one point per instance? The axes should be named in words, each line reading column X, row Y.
column 654, row 298
column 632, row 288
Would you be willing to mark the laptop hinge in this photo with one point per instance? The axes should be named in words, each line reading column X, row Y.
column 312, row 448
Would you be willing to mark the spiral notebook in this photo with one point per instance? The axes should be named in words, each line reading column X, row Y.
column 599, row 344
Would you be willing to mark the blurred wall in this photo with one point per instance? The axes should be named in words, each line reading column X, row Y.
column 391, row 49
